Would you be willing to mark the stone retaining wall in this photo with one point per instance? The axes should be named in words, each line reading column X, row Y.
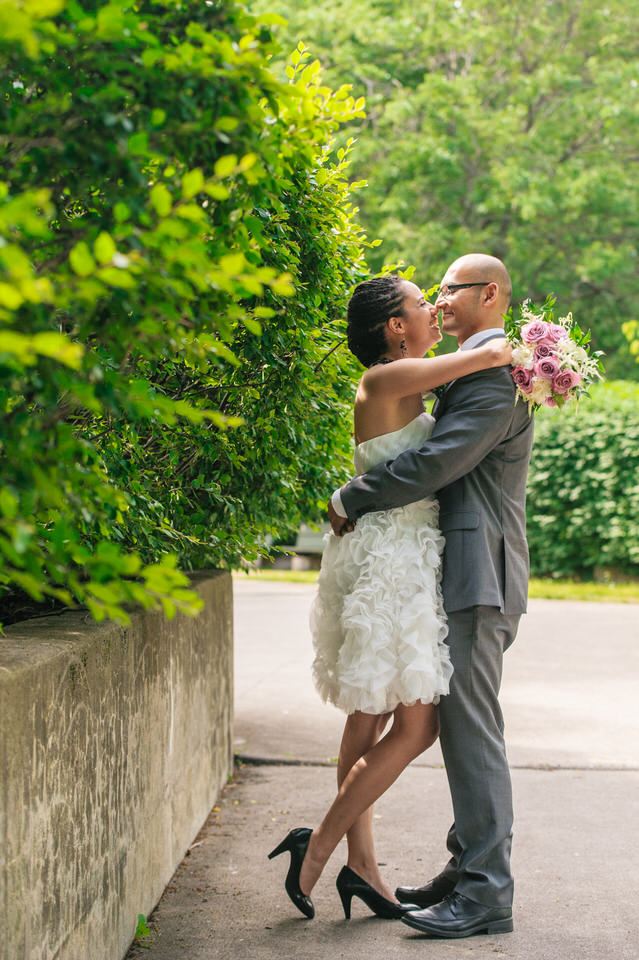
column 114, row 744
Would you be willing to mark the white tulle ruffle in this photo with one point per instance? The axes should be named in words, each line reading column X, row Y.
column 378, row 621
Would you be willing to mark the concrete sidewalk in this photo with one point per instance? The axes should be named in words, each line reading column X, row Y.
column 570, row 698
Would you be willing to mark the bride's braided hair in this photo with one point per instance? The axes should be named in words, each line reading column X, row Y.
column 372, row 304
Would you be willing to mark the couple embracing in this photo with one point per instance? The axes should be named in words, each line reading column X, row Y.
column 422, row 586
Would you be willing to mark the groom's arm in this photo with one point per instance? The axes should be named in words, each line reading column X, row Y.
column 479, row 413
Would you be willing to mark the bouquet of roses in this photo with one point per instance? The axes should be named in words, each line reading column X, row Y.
column 552, row 362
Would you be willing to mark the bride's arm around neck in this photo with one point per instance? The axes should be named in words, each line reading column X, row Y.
column 409, row 376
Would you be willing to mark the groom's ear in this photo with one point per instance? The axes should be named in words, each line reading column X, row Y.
column 491, row 293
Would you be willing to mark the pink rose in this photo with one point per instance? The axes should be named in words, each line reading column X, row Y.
column 523, row 378
column 565, row 381
column 534, row 332
column 547, row 368
column 550, row 402
column 556, row 332
column 544, row 349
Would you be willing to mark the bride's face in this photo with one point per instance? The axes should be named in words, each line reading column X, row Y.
column 421, row 328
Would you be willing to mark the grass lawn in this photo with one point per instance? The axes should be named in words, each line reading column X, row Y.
column 539, row 589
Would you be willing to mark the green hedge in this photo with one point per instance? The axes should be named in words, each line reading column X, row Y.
column 177, row 243
column 583, row 486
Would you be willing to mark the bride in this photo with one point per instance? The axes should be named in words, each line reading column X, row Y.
column 378, row 621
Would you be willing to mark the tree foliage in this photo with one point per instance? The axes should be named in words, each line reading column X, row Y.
column 508, row 127
column 167, row 401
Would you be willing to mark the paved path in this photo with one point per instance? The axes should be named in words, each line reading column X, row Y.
column 570, row 691
column 570, row 697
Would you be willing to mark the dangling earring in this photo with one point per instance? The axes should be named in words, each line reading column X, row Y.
column 403, row 348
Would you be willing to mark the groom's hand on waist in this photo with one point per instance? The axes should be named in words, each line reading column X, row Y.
column 340, row 525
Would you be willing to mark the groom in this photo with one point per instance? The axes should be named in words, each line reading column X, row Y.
column 476, row 462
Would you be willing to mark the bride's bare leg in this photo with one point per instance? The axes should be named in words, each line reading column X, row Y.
column 361, row 733
column 413, row 730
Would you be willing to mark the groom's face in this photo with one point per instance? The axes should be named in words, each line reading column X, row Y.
column 459, row 306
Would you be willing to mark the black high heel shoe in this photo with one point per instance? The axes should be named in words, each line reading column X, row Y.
column 350, row 885
column 296, row 842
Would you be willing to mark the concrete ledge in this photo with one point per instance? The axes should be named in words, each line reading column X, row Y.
column 114, row 744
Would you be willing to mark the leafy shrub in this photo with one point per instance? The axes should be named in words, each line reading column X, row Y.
column 177, row 243
column 583, row 486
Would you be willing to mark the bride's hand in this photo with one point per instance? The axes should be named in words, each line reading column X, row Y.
column 499, row 352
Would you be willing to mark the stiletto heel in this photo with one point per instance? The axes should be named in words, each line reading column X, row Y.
column 350, row 885
column 280, row 848
column 296, row 843
column 345, row 896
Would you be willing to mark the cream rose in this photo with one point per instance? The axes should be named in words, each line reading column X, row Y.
column 524, row 356
column 541, row 389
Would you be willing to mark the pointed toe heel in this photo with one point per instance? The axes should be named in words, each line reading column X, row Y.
column 296, row 843
column 350, row 885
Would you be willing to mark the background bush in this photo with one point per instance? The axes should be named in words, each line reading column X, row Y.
column 165, row 398
column 583, row 486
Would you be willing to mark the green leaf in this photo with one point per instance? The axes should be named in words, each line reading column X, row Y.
column 161, row 200
column 227, row 124
column 59, row 347
column 232, row 263
column 10, row 296
column 272, row 18
column 192, row 183
column 225, row 165
column 121, row 212
column 254, row 326
column 138, row 144
column 142, row 929
column 8, row 503
column 81, row 260
column 28, row 583
column 104, row 247
column 217, row 191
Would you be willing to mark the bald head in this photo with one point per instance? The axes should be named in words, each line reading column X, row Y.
column 474, row 295
column 489, row 269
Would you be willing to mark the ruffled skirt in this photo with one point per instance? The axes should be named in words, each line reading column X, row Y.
column 378, row 621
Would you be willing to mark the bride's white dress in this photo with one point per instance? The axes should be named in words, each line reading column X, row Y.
column 378, row 620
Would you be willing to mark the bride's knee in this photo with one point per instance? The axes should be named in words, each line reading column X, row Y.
column 418, row 730
column 429, row 734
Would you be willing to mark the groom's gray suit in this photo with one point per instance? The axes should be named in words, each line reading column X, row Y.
column 476, row 462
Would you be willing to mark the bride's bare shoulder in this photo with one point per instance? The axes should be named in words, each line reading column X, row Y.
column 374, row 379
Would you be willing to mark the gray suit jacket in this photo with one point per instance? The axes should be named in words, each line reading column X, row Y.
column 476, row 462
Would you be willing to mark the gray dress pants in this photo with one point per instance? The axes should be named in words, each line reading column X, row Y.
column 472, row 741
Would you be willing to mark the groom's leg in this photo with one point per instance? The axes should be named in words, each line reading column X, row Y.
column 450, row 870
column 472, row 743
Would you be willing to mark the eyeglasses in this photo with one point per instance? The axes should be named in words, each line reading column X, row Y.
column 449, row 288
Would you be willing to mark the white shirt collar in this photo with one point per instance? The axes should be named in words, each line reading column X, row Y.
column 478, row 338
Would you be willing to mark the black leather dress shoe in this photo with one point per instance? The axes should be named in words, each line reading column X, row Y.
column 457, row 916
column 430, row 893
